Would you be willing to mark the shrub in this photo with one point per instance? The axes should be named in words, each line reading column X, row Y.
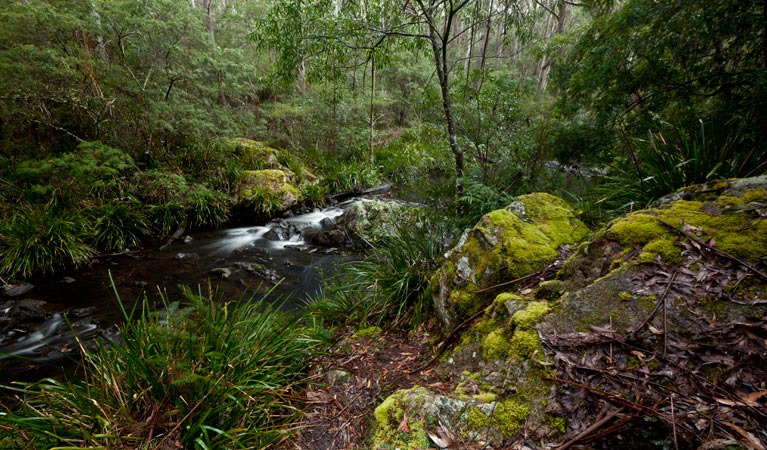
column 389, row 285
column 206, row 207
column 117, row 226
column 95, row 170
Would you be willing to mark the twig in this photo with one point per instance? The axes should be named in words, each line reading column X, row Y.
column 661, row 302
column 516, row 280
column 446, row 342
column 673, row 424
column 593, row 427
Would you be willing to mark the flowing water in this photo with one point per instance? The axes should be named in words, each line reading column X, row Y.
column 272, row 263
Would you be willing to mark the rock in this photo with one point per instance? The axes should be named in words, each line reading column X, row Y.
column 32, row 306
column 337, row 377
column 223, row 271
column 506, row 244
column 268, row 190
column 667, row 299
column 68, row 280
column 327, row 238
column 18, row 289
column 186, row 256
column 368, row 222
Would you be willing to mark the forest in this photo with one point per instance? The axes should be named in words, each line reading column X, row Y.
column 123, row 122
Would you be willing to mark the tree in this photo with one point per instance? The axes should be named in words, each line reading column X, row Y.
column 296, row 32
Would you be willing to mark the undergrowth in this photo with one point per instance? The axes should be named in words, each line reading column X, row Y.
column 206, row 374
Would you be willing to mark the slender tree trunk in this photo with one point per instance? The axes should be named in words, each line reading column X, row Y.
column 447, row 104
column 439, row 38
column 372, row 110
column 483, row 52
column 209, row 20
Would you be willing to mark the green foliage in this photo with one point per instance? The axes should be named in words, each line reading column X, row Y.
column 349, row 176
column 39, row 240
column 210, row 374
column 390, row 285
column 93, row 171
column 206, row 207
column 478, row 200
column 117, row 226
column 674, row 158
column 173, row 201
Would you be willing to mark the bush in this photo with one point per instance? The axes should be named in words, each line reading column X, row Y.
column 208, row 375
column 118, row 226
column 95, row 170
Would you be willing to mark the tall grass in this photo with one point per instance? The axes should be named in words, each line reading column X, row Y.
column 37, row 240
column 207, row 375
column 390, row 286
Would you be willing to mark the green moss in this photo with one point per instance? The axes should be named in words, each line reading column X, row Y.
column 524, row 343
column 531, row 315
column 485, row 397
column 751, row 195
column 508, row 417
column 663, row 247
column 558, row 424
column 636, row 228
column 369, row 332
column 390, row 413
column 549, row 290
column 554, row 217
column 734, row 232
column 495, row 345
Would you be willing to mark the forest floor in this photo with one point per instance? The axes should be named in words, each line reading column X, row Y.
column 349, row 382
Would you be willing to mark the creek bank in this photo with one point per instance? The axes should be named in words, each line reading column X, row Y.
column 283, row 259
column 659, row 318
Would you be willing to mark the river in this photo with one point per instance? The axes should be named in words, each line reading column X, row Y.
column 38, row 325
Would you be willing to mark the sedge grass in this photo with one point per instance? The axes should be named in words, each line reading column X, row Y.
column 391, row 285
column 210, row 374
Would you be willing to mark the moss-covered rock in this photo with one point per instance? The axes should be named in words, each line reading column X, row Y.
column 268, row 190
column 506, row 244
column 695, row 252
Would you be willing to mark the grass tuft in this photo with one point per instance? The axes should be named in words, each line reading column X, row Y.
column 208, row 374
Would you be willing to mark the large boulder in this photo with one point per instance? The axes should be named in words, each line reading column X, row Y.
column 505, row 245
column 367, row 222
column 268, row 190
column 656, row 330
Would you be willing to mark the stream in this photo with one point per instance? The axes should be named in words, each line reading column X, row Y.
column 272, row 262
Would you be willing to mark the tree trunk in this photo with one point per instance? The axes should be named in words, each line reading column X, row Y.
column 208, row 20
column 437, row 45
